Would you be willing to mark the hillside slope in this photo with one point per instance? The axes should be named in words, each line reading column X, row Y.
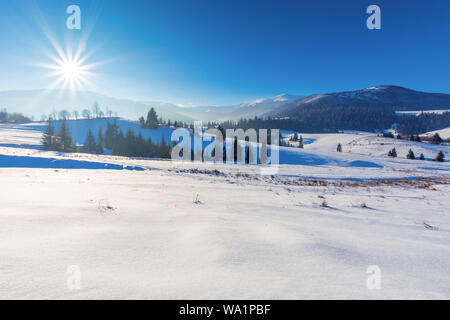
column 204, row 231
column 362, row 151
column 392, row 97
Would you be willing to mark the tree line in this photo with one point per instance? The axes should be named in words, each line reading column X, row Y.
column 121, row 144
column 132, row 145
column 15, row 117
column 95, row 112
column 324, row 119
column 440, row 157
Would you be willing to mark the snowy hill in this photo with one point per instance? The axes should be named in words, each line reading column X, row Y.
column 443, row 133
column 79, row 129
column 260, row 108
column 371, row 145
column 28, row 135
column 377, row 97
column 360, row 150
column 151, row 229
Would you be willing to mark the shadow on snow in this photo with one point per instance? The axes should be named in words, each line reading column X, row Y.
column 52, row 163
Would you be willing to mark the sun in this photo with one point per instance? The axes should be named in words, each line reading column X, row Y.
column 70, row 67
column 71, row 71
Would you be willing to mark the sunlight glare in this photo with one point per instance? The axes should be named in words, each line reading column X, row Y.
column 71, row 71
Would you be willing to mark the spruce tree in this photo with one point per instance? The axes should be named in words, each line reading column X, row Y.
column 164, row 149
column 152, row 120
column 48, row 138
column 111, row 135
column 300, row 142
column 410, row 155
column 142, row 122
column 119, row 143
column 100, row 142
column 437, row 139
column 64, row 141
column 440, row 156
column 150, row 148
column 141, row 147
column 89, row 144
column 392, row 153
column 422, row 157
column 130, row 144
column 339, row 148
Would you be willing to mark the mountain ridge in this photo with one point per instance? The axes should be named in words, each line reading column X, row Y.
column 383, row 96
column 38, row 102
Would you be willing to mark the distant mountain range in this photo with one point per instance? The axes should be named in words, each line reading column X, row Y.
column 38, row 102
column 391, row 97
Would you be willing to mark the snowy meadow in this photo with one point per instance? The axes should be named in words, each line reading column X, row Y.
column 355, row 224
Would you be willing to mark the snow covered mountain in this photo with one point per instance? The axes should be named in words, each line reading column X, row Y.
column 43, row 102
column 384, row 96
column 260, row 107
column 38, row 102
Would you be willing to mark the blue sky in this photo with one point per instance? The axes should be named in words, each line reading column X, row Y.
column 221, row 52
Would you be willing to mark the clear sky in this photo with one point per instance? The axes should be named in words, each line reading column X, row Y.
column 221, row 52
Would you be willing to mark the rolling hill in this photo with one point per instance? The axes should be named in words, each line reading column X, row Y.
column 382, row 97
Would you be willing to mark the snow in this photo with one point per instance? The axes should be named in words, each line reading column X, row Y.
column 174, row 230
column 443, row 133
column 29, row 134
column 419, row 112
column 359, row 148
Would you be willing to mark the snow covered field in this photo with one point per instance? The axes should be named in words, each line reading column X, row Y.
column 153, row 229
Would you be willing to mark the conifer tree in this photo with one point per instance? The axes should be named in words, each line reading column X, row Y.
column 437, row 139
column 152, row 120
column 141, row 147
column 119, row 143
column 300, row 142
column 440, row 156
column 339, row 148
column 422, row 157
column 89, row 144
column 100, row 142
column 393, row 153
column 130, row 145
column 164, row 149
column 111, row 135
column 142, row 122
column 48, row 138
column 150, row 148
column 64, row 141
column 410, row 155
